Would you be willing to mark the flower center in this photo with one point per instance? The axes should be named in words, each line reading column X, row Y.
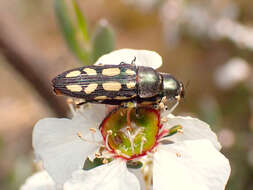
column 131, row 132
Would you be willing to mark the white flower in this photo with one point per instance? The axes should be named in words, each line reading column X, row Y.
column 185, row 160
column 57, row 144
column 39, row 181
column 193, row 161
column 141, row 57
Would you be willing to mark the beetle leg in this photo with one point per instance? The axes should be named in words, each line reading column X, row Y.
column 81, row 103
column 173, row 107
column 133, row 61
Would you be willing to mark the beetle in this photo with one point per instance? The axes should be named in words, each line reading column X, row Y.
column 117, row 84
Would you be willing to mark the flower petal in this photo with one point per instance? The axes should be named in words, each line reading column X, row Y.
column 112, row 176
column 39, row 181
column 143, row 58
column 57, row 144
column 193, row 129
column 190, row 165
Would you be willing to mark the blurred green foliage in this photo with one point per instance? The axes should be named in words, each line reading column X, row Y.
column 75, row 31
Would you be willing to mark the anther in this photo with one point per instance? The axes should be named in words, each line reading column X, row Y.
column 89, row 141
column 180, row 131
column 118, row 152
column 93, row 130
column 109, row 132
column 105, row 161
column 161, row 106
column 164, row 120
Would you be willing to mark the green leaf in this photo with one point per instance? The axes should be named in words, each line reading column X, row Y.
column 69, row 31
column 174, row 130
column 134, row 164
column 88, row 164
column 82, row 24
column 103, row 40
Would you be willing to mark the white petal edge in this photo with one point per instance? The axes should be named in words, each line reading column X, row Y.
column 193, row 129
column 190, row 165
column 39, row 181
column 56, row 143
column 143, row 58
column 112, row 176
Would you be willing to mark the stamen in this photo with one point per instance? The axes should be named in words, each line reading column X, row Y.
column 178, row 155
column 165, row 139
column 107, row 154
column 164, row 120
column 118, row 152
column 109, row 132
column 161, row 106
column 98, row 155
column 138, row 131
column 180, row 131
column 162, row 129
column 143, row 140
column 105, row 161
column 131, row 140
column 70, row 102
column 121, row 113
column 89, row 141
column 93, row 130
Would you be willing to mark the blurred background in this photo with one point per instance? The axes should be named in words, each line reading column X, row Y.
column 207, row 44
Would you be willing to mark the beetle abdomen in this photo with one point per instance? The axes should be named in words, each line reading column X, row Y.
column 99, row 83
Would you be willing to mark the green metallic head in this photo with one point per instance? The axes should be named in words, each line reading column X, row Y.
column 171, row 88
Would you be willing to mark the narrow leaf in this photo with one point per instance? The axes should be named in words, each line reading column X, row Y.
column 103, row 40
column 82, row 24
column 68, row 30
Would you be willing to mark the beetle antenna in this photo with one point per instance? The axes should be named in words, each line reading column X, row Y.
column 187, row 84
column 186, row 87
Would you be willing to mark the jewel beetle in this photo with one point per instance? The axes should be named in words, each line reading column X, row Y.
column 117, row 84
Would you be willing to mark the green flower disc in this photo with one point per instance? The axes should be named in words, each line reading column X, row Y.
column 143, row 131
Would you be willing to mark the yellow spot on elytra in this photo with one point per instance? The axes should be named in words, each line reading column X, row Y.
column 111, row 86
column 73, row 74
column 90, row 88
column 74, row 88
column 146, row 103
column 101, row 98
column 111, row 72
column 130, row 72
column 121, row 98
column 130, row 84
column 90, row 71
